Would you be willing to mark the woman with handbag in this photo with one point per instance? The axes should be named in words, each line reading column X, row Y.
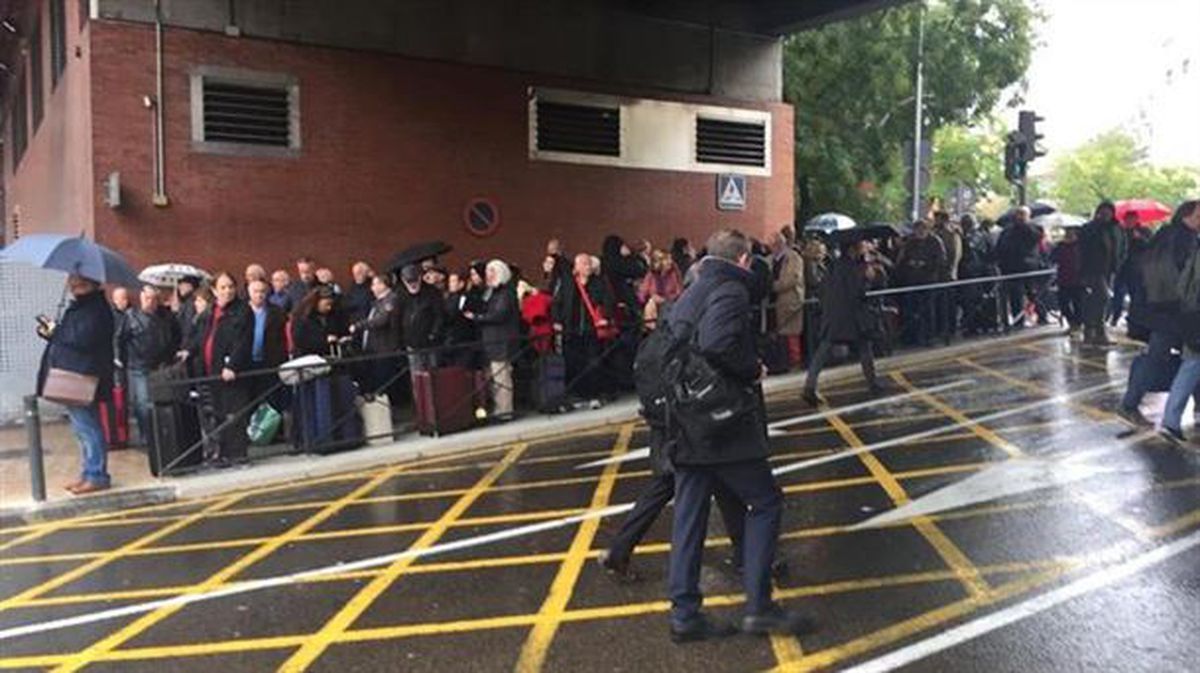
column 76, row 370
column 581, row 314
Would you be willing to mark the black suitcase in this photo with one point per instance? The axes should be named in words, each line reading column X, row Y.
column 176, row 428
column 550, row 383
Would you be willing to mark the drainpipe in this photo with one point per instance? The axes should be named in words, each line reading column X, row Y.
column 160, row 177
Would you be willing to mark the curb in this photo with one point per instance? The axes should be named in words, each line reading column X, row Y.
column 284, row 469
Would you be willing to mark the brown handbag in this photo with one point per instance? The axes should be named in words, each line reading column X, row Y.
column 69, row 388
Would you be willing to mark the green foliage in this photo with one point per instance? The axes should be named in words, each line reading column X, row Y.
column 1113, row 166
column 970, row 157
column 852, row 86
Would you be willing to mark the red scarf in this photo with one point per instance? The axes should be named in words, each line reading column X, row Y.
column 211, row 337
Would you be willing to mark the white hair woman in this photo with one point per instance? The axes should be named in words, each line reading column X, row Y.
column 499, row 329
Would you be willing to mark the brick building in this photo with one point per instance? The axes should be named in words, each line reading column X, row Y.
column 221, row 132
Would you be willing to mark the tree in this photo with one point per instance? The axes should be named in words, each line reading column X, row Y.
column 971, row 157
column 1113, row 166
column 852, row 86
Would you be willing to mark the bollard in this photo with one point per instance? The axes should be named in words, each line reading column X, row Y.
column 33, row 430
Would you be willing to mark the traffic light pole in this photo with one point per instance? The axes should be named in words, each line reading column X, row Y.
column 919, row 115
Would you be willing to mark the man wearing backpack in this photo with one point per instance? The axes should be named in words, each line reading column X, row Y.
column 714, row 315
column 1170, row 250
column 1101, row 254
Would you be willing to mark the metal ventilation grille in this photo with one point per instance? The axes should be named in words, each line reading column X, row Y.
column 580, row 129
column 253, row 115
column 726, row 142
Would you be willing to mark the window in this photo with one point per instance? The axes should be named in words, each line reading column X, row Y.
column 245, row 112
column 85, row 11
column 35, row 73
column 58, row 39
column 738, row 143
column 19, row 121
column 578, row 129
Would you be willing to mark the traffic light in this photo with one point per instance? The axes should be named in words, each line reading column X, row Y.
column 1027, row 126
column 1014, row 157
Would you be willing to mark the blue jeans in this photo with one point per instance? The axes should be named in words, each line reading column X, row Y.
column 1185, row 385
column 1149, row 366
column 85, row 423
column 138, row 390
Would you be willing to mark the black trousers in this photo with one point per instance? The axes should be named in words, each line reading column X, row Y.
column 752, row 482
column 650, row 504
column 1070, row 302
column 866, row 357
column 223, row 402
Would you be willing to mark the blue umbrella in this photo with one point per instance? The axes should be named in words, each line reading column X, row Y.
column 72, row 254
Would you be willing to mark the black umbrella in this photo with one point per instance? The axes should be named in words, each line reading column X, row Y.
column 865, row 232
column 1037, row 208
column 417, row 253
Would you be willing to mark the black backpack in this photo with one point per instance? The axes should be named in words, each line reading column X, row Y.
column 680, row 392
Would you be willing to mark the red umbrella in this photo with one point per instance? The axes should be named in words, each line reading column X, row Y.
column 1148, row 211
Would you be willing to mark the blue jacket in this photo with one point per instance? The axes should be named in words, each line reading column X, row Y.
column 717, row 307
column 82, row 343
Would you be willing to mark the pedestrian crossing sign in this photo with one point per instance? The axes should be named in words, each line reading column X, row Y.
column 731, row 191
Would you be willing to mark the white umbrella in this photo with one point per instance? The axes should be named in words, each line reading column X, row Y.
column 169, row 274
column 831, row 222
column 1064, row 220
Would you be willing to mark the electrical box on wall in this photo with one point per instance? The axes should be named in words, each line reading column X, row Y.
column 112, row 190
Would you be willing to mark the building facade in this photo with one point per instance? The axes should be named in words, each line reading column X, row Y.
column 220, row 132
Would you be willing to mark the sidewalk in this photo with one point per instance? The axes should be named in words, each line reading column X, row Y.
column 133, row 484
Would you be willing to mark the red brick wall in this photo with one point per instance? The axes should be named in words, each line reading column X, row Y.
column 392, row 149
column 52, row 188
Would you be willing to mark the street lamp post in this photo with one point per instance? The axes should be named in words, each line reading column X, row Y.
column 918, row 117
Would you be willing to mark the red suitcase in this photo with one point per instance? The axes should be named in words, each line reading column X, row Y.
column 114, row 419
column 443, row 400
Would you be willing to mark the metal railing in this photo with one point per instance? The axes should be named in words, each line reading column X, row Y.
column 346, row 366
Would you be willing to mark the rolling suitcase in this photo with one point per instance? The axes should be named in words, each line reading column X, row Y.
column 176, row 428
column 326, row 417
column 444, row 400
column 114, row 419
column 550, row 383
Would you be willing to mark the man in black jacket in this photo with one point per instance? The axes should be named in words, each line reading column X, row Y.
column 1101, row 254
column 81, row 342
column 379, row 334
column 143, row 344
column 1017, row 252
column 423, row 316
column 715, row 309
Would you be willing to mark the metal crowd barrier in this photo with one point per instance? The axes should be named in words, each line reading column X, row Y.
column 600, row 360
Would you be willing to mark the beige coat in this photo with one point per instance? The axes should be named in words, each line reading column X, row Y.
column 789, row 295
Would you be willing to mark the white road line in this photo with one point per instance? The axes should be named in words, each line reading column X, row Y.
column 281, row 580
column 636, row 454
column 777, row 426
column 780, row 424
column 1038, row 604
column 925, row 434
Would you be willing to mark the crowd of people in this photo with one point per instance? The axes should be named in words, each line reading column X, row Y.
column 808, row 296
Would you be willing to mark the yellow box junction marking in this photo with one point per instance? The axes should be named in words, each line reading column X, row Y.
column 356, row 606
column 537, row 643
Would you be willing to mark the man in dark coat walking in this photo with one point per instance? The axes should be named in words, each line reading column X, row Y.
column 847, row 317
column 1017, row 251
column 82, row 342
column 1101, row 254
column 715, row 310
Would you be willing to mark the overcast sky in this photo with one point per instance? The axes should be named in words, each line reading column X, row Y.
column 1128, row 63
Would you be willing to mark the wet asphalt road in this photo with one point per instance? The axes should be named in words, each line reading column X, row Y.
column 1041, row 496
